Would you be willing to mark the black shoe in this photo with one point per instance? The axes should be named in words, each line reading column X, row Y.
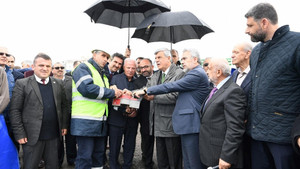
column 42, row 164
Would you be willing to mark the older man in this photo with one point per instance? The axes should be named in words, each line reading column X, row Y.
column 121, row 121
column 222, row 119
column 240, row 58
column 242, row 77
column 168, row 144
column 275, row 89
column 39, row 114
column 90, row 95
column 11, row 64
column 193, row 89
column 58, row 71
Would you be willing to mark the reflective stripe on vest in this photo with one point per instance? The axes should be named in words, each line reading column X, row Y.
column 86, row 108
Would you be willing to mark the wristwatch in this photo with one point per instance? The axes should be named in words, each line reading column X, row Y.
column 145, row 90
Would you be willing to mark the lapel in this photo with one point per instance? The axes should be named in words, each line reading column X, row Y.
column 234, row 75
column 171, row 73
column 36, row 88
column 54, row 89
column 246, row 81
column 216, row 95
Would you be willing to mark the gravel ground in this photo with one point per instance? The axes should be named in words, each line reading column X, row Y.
column 137, row 160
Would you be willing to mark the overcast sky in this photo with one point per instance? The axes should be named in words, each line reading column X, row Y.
column 61, row 29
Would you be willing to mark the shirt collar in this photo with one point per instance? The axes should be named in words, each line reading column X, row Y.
column 39, row 80
column 247, row 70
column 167, row 71
column 222, row 82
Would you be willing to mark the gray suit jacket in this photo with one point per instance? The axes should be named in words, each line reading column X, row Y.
column 223, row 126
column 26, row 111
column 162, row 106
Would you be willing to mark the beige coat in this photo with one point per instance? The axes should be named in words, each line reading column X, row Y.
column 4, row 93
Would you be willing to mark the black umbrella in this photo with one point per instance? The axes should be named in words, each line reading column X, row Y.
column 171, row 27
column 125, row 13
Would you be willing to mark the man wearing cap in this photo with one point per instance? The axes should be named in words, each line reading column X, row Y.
column 90, row 94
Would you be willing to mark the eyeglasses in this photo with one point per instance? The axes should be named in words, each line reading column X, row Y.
column 61, row 67
column 6, row 54
column 145, row 67
column 205, row 64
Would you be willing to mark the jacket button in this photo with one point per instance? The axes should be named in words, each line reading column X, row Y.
column 253, row 127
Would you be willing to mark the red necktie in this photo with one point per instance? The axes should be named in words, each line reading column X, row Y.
column 43, row 80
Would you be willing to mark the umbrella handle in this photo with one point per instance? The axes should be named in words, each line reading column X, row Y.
column 128, row 46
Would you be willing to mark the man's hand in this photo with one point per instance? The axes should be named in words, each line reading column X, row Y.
column 149, row 98
column 22, row 141
column 64, row 132
column 118, row 92
column 223, row 164
column 131, row 112
column 138, row 93
column 298, row 141
column 113, row 87
column 127, row 92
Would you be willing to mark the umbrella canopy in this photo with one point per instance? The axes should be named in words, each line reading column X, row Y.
column 124, row 13
column 171, row 27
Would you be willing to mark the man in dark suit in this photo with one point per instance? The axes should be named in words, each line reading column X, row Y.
column 242, row 77
column 222, row 119
column 121, row 121
column 147, row 140
column 193, row 89
column 39, row 114
column 58, row 71
column 112, row 68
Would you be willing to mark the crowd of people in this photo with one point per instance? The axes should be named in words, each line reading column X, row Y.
column 199, row 115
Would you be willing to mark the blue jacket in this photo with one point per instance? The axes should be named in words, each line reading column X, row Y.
column 275, row 97
column 82, row 77
column 193, row 88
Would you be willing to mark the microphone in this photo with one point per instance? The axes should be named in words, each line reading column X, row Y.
column 215, row 167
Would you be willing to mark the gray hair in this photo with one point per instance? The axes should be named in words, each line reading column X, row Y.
column 247, row 47
column 221, row 64
column 166, row 51
column 194, row 54
column 28, row 62
column 263, row 10
column 58, row 63
column 128, row 60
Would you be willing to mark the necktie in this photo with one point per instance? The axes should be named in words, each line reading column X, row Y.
column 212, row 92
column 111, row 75
column 43, row 80
column 241, row 75
column 163, row 77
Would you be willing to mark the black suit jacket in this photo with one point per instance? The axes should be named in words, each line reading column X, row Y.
column 222, row 126
column 246, row 84
column 26, row 111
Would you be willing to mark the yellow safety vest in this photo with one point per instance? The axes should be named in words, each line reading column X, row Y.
column 86, row 108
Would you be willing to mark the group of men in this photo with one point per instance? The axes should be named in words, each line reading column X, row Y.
column 201, row 115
